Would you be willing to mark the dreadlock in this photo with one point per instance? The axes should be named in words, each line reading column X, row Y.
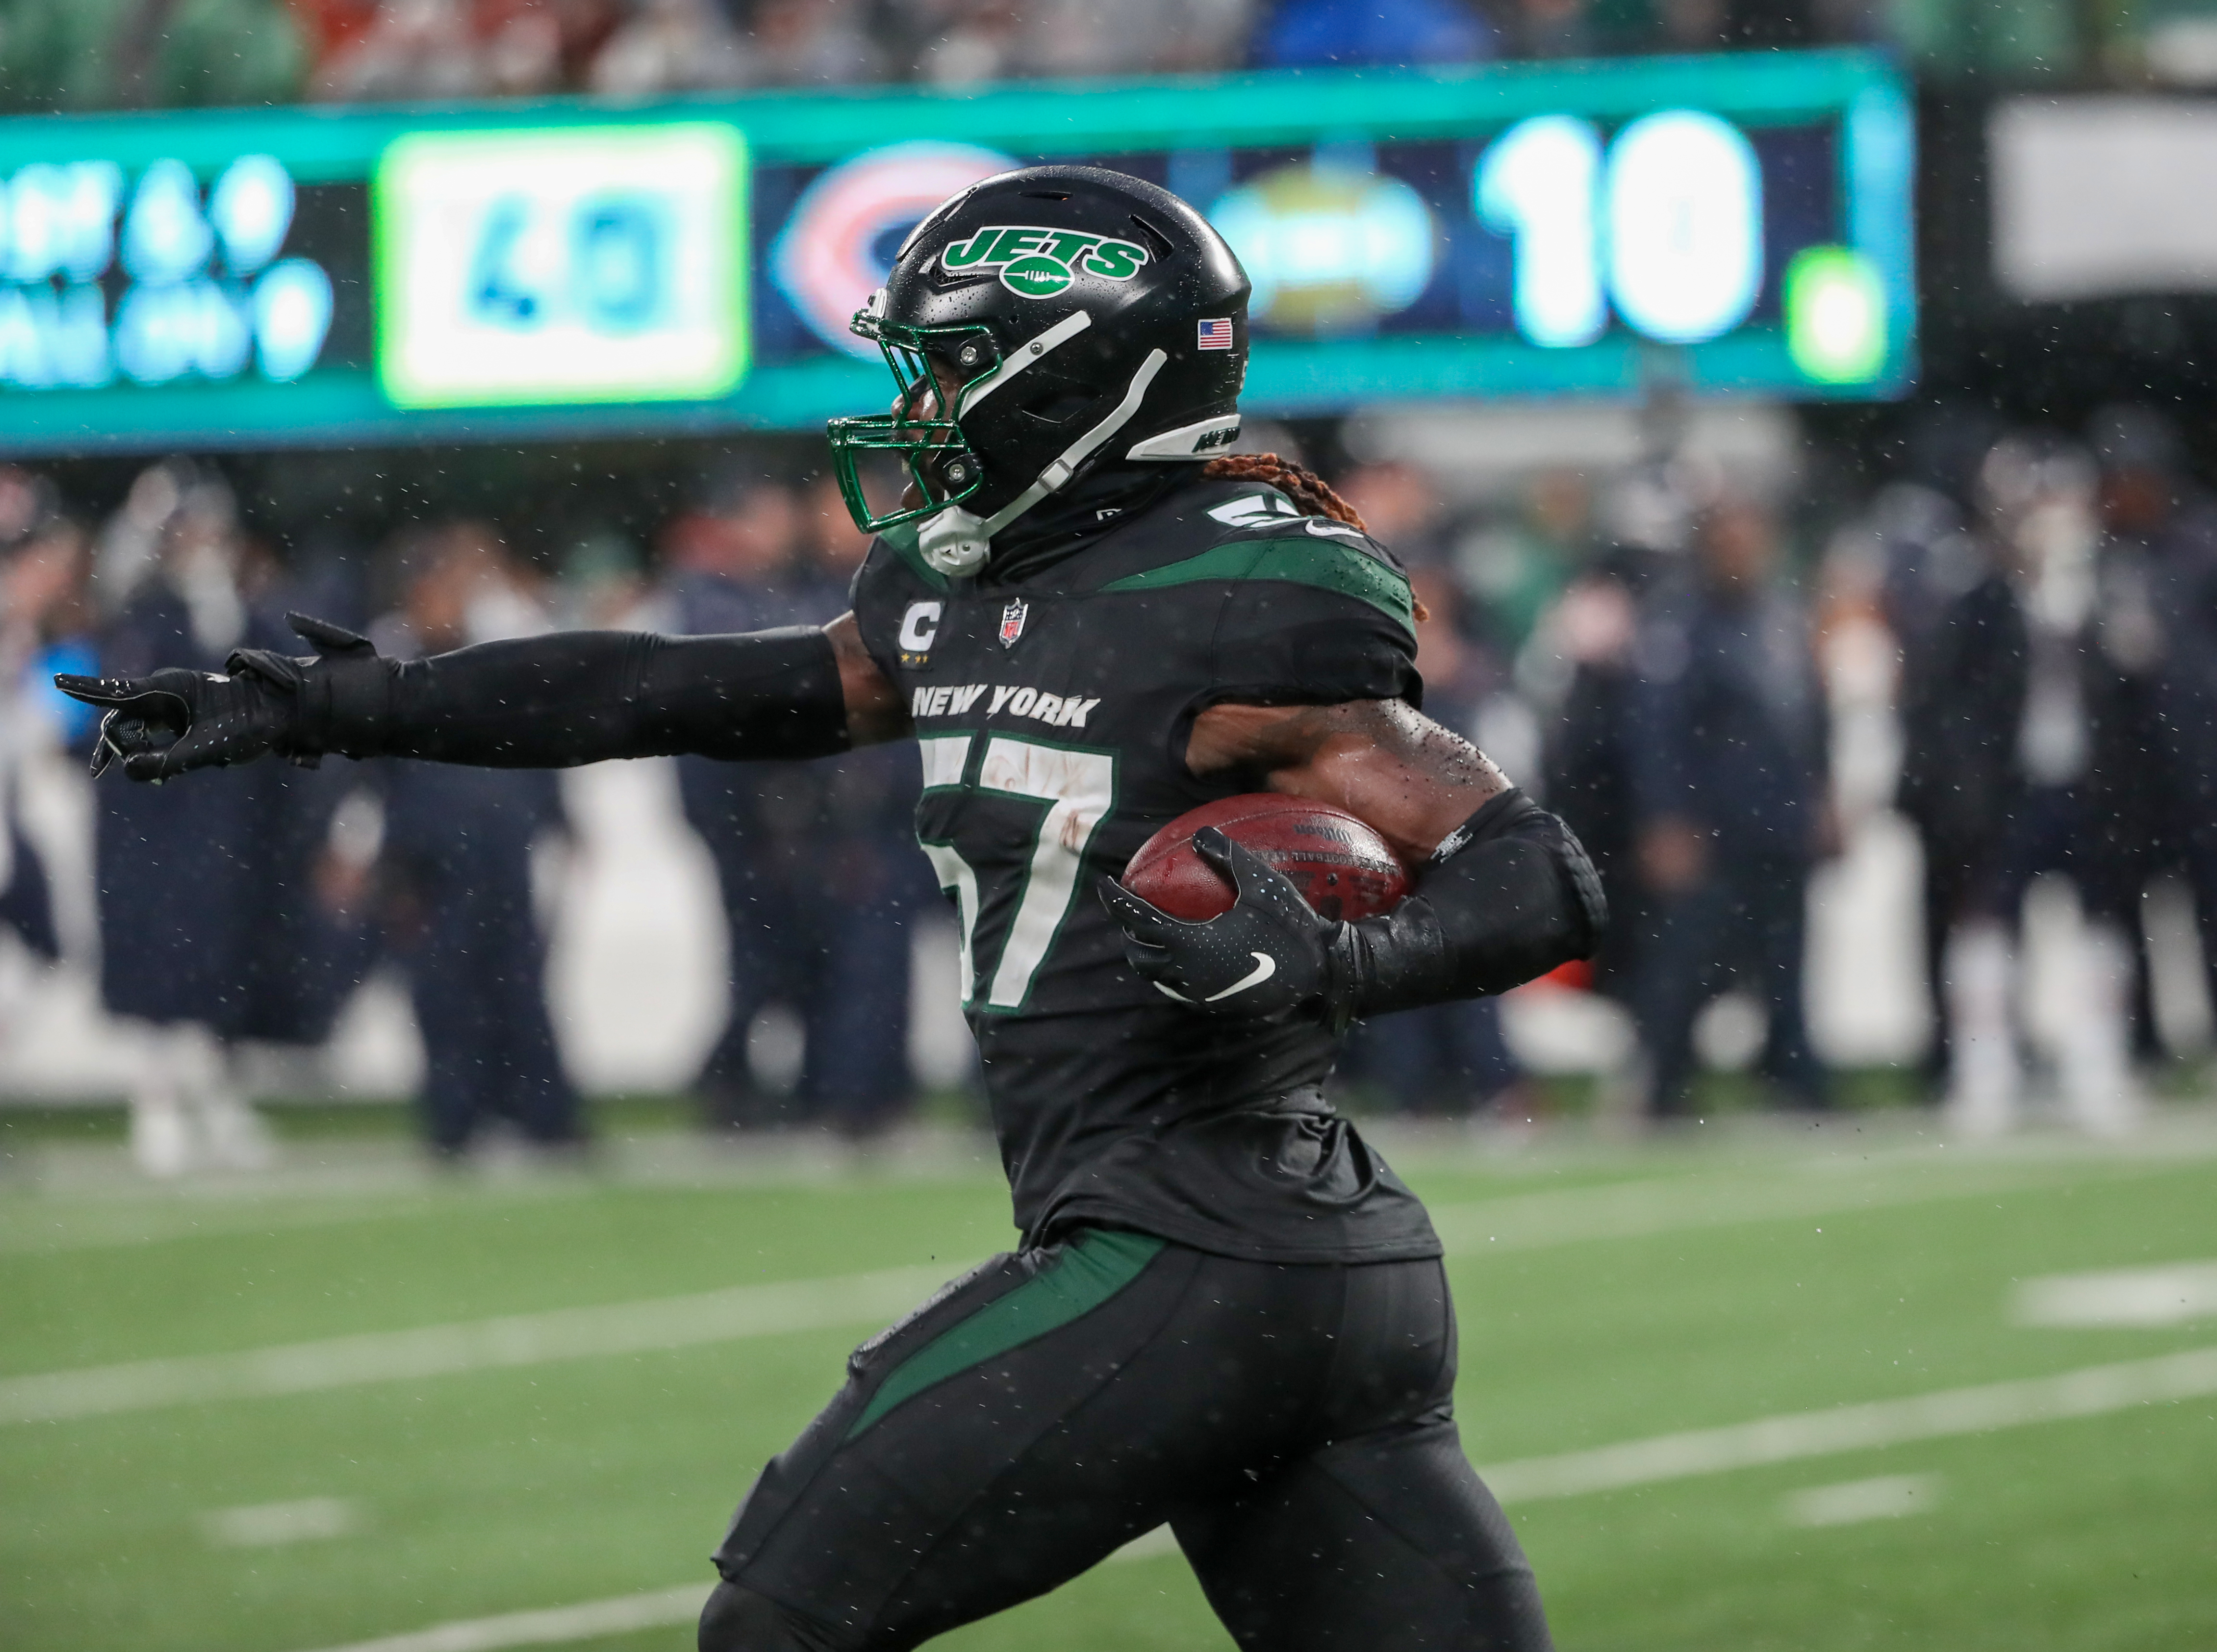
column 1307, row 490
column 1311, row 494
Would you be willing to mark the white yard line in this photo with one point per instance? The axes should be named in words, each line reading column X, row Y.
column 1524, row 1222
column 2093, row 1391
column 1885, row 1497
column 553, row 1626
column 620, row 1615
column 1641, row 1210
column 123, row 1210
column 117, row 1224
column 2136, row 1298
column 265, row 1526
column 478, row 1345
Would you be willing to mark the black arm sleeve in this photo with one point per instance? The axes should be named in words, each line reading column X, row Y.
column 1507, row 895
column 578, row 696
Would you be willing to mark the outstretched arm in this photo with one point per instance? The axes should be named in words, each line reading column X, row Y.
column 548, row 702
column 1503, row 891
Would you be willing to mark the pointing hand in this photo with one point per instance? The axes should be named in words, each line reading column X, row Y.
column 173, row 721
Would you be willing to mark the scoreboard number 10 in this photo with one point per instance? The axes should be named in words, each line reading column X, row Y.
column 1665, row 224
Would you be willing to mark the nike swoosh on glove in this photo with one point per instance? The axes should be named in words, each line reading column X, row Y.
column 1270, row 956
column 174, row 721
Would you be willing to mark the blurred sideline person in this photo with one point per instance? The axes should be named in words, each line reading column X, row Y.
column 2157, row 630
column 2001, row 764
column 1445, row 1060
column 1639, row 525
column 729, row 567
column 867, row 883
column 183, row 887
column 44, row 563
column 1927, row 558
column 1518, row 564
column 1728, row 754
column 455, row 880
column 1228, row 1313
column 812, row 859
column 1587, row 751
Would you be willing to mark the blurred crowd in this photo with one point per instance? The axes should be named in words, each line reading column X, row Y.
column 248, row 906
column 2044, row 608
column 2057, row 612
column 1671, row 660
column 106, row 53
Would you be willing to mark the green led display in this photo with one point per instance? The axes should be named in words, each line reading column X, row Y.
column 1741, row 225
column 546, row 268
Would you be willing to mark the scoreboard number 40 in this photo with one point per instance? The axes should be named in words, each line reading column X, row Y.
column 569, row 264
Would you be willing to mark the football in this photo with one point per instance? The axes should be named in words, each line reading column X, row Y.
column 1341, row 867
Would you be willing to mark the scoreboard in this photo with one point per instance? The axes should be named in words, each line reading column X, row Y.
column 1738, row 225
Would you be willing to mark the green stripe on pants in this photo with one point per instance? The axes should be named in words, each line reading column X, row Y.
column 1092, row 1268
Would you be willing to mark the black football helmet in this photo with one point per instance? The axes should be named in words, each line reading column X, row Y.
column 1072, row 315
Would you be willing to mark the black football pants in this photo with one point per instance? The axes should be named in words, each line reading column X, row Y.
column 1293, row 1424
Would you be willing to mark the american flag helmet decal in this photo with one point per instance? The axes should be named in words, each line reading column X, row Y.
column 1216, row 333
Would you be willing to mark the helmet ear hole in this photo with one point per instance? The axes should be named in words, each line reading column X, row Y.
column 950, row 280
column 1159, row 245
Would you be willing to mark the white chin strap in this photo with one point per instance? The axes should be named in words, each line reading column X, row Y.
column 956, row 543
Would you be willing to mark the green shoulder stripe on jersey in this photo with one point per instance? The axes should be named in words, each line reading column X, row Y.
column 1301, row 559
column 1091, row 1269
column 902, row 537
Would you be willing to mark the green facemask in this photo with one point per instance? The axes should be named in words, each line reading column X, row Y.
column 940, row 460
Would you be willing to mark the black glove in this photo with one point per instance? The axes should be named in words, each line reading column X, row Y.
column 1270, row 956
column 1507, row 895
column 173, row 721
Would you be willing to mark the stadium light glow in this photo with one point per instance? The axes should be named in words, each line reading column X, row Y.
column 1835, row 315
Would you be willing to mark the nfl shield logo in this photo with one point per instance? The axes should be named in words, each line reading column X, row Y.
column 1012, row 621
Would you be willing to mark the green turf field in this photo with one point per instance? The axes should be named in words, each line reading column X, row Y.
column 351, row 1492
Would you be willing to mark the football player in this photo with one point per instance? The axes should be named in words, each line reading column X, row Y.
column 1227, row 1312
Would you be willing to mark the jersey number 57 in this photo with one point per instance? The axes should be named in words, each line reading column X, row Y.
column 1078, row 788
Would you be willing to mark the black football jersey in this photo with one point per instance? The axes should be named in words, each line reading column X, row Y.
column 1051, row 695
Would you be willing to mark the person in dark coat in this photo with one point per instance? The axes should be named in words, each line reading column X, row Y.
column 1963, row 698
column 1587, row 755
column 2009, row 771
column 185, row 885
column 43, row 568
column 814, row 861
column 729, row 567
column 2157, row 634
column 1450, row 1059
column 455, row 882
column 1729, row 779
column 865, row 883
column 1929, row 558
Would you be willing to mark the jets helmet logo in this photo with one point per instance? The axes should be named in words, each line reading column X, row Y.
column 1040, row 263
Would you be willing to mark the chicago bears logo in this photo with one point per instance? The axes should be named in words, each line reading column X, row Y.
column 1040, row 263
column 841, row 240
column 1012, row 621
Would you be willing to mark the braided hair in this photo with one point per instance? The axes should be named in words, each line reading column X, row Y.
column 1309, row 492
column 1312, row 495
